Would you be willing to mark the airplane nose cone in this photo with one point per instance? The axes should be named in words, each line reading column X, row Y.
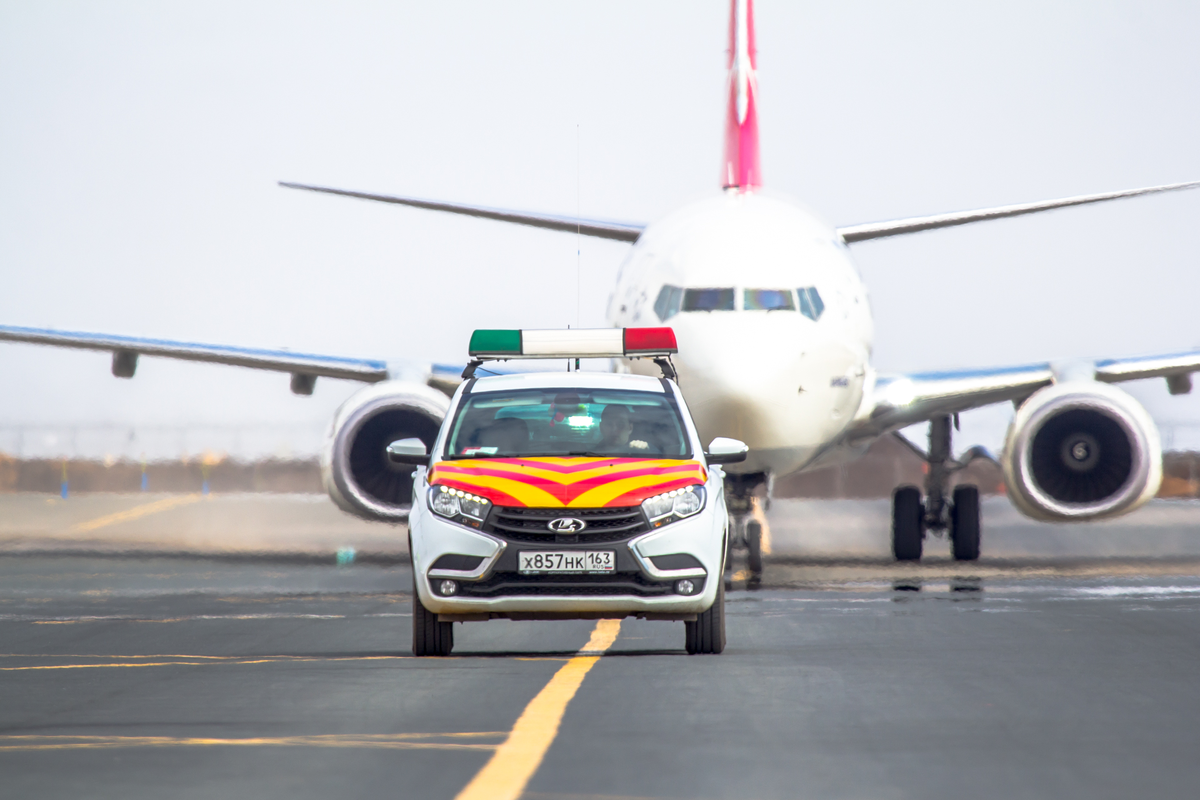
column 771, row 380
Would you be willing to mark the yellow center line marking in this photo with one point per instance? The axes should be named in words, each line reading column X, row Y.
column 508, row 771
column 137, row 512
column 394, row 741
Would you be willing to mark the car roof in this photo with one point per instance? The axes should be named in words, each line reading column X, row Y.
column 574, row 380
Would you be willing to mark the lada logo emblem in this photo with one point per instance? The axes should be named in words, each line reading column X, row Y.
column 566, row 525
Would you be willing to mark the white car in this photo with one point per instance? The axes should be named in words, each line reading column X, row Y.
column 568, row 495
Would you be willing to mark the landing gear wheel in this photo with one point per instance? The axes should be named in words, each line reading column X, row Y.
column 907, row 535
column 754, row 544
column 707, row 633
column 430, row 637
column 964, row 524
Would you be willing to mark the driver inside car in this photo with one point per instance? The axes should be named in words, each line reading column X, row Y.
column 616, row 426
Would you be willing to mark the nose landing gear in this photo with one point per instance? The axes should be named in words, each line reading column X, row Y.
column 746, row 500
column 957, row 516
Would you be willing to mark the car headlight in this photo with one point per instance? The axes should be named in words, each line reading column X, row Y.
column 673, row 505
column 457, row 505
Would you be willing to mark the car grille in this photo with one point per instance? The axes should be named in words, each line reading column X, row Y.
column 530, row 524
column 513, row 584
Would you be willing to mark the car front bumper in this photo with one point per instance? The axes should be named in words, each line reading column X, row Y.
column 582, row 597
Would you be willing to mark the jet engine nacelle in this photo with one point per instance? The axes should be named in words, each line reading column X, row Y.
column 1081, row 450
column 354, row 464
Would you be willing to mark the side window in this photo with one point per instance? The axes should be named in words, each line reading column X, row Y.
column 708, row 300
column 667, row 304
column 817, row 303
column 811, row 304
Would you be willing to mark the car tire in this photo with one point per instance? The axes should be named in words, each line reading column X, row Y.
column 906, row 524
column 964, row 523
column 430, row 636
column 707, row 634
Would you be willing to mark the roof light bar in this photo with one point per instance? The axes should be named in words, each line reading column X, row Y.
column 650, row 341
column 574, row 343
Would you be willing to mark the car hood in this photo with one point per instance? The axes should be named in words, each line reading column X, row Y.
column 567, row 482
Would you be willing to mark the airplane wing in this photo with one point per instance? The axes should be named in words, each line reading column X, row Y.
column 630, row 231
column 899, row 227
column 620, row 231
column 304, row 368
column 892, row 402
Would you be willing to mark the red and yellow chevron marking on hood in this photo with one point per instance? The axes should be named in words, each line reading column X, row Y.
column 567, row 482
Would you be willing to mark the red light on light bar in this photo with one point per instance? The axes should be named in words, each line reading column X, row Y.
column 650, row 340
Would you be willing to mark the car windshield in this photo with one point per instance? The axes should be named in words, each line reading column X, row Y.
column 568, row 422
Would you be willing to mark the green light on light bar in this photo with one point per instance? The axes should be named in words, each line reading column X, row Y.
column 495, row 343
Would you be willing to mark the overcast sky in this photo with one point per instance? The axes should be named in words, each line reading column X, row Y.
column 140, row 144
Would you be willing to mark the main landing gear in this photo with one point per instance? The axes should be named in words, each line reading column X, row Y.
column 957, row 516
column 745, row 495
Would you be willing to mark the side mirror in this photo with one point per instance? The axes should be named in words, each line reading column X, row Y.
column 726, row 451
column 408, row 451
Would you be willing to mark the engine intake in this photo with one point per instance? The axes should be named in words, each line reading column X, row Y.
column 354, row 464
column 1081, row 450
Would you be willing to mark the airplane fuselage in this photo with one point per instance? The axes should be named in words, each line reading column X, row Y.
column 763, row 358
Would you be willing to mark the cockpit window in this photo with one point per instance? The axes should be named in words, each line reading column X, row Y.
column 708, row 300
column 811, row 304
column 667, row 304
column 768, row 300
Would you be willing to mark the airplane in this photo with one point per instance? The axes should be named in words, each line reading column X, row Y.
column 775, row 334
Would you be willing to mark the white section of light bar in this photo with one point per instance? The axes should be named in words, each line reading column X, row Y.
column 581, row 343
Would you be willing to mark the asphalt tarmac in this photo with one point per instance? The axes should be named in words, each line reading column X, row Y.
column 131, row 677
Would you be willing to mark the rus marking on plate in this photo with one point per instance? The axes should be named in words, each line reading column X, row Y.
column 566, row 525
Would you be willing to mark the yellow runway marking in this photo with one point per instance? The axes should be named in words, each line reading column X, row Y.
column 208, row 661
column 93, row 655
column 392, row 741
column 504, row 776
column 137, row 512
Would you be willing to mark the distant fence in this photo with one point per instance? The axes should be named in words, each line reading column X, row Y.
column 283, row 458
column 64, row 476
column 111, row 443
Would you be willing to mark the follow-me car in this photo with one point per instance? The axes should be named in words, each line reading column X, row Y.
column 568, row 495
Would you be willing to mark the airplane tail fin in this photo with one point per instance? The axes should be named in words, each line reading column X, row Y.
column 742, row 169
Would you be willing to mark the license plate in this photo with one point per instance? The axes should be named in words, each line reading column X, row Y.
column 535, row 562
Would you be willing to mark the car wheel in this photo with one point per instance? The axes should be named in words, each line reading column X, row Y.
column 707, row 633
column 430, row 636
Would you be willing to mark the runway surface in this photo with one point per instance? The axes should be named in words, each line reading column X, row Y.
column 1019, row 676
